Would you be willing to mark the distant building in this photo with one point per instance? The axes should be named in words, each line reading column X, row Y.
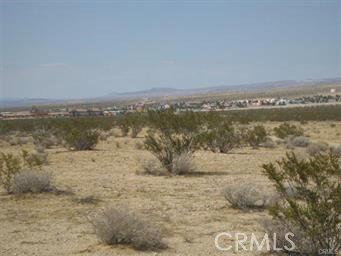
column 86, row 112
column 79, row 112
column 59, row 114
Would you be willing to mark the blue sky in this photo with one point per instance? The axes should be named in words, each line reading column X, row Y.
column 71, row 49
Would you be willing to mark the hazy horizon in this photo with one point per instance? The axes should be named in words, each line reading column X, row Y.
column 83, row 49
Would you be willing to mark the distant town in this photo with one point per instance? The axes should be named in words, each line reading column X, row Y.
column 178, row 105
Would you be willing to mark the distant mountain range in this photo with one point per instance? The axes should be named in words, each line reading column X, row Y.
column 163, row 92
column 159, row 92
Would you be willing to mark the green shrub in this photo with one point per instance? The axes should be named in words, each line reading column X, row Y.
column 31, row 160
column 11, row 165
column 256, row 136
column 133, row 122
column 221, row 138
column 166, row 147
column 171, row 135
column 307, row 113
column 316, row 213
column 45, row 138
column 286, row 129
column 79, row 138
column 124, row 129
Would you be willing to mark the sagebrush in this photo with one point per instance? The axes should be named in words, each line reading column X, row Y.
column 121, row 226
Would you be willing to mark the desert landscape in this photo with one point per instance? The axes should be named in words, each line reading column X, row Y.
column 190, row 209
column 170, row 127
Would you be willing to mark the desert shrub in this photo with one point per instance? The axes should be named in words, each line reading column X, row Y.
column 247, row 196
column 32, row 181
column 221, row 138
column 87, row 200
column 45, row 138
column 153, row 167
column 124, row 129
column 307, row 113
column 39, row 148
column 182, row 164
column 171, row 135
column 278, row 230
column 316, row 148
column 11, row 165
column 54, row 124
column 168, row 121
column 31, row 160
column 336, row 150
column 268, row 143
column 79, row 138
column 103, row 135
column 286, row 129
column 255, row 136
column 316, row 213
column 16, row 141
column 39, row 157
column 136, row 123
column 301, row 141
column 120, row 226
column 166, row 147
column 135, row 130
column 131, row 121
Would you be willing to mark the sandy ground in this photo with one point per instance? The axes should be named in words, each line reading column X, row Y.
column 191, row 209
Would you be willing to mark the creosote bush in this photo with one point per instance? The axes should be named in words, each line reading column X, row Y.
column 45, row 138
column 120, row 226
column 78, row 138
column 279, row 230
column 171, row 135
column 286, row 129
column 221, row 138
column 316, row 212
column 255, row 136
column 11, row 165
column 166, row 147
